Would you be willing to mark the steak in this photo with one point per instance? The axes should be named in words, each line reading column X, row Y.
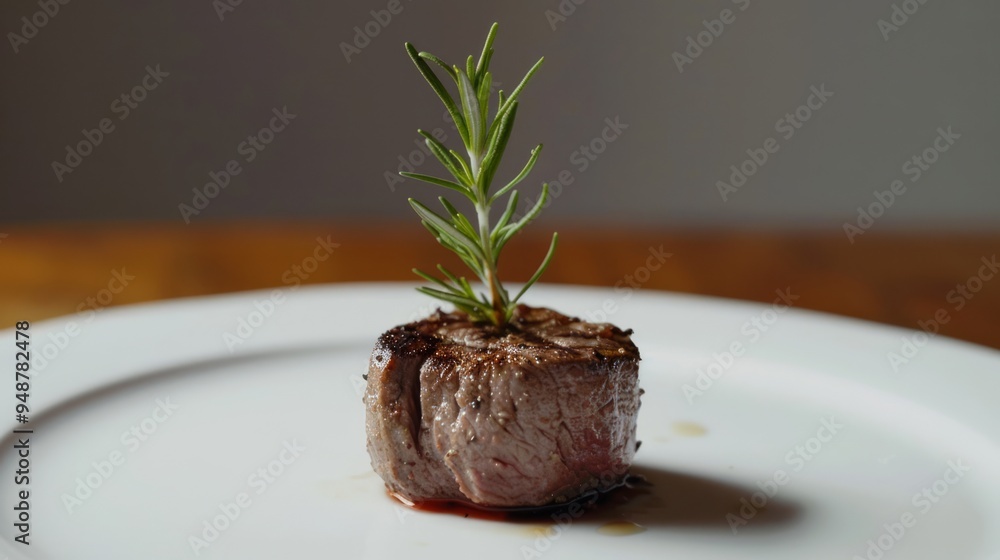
column 534, row 414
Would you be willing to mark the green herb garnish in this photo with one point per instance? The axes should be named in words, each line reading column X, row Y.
column 477, row 245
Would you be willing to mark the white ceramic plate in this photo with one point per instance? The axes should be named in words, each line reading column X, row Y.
column 148, row 431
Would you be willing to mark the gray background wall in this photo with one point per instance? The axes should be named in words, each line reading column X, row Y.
column 607, row 59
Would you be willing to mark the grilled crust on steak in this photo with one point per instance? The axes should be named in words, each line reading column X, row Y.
column 531, row 415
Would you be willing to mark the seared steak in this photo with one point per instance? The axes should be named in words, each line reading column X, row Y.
column 531, row 415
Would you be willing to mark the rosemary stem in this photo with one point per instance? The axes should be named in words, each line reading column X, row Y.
column 492, row 279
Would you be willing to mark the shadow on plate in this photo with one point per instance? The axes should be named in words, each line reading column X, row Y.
column 652, row 499
column 672, row 499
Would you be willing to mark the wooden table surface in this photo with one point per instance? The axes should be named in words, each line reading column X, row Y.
column 49, row 271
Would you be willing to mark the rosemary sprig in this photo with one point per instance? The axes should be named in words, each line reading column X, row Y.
column 477, row 245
